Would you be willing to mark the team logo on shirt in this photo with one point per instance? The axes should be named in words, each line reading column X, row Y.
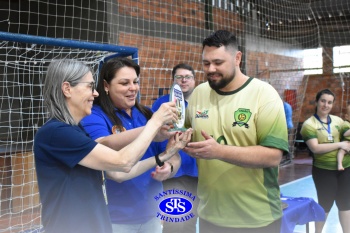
column 242, row 116
column 202, row 114
column 175, row 205
column 117, row 129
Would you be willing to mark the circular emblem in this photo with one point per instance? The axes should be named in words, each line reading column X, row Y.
column 241, row 117
column 175, row 206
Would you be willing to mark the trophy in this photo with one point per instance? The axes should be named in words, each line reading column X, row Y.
column 177, row 96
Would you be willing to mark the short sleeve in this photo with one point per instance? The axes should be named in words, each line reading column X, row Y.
column 97, row 124
column 65, row 143
column 308, row 131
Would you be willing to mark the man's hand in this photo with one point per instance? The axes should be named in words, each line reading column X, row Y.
column 204, row 149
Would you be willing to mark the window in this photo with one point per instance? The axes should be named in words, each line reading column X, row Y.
column 239, row 6
column 313, row 61
column 341, row 59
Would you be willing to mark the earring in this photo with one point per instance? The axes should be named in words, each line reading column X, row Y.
column 106, row 92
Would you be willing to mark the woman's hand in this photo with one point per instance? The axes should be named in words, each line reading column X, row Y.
column 162, row 173
column 176, row 143
column 180, row 140
column 345, row 145
column 164, row 133
column 167, row 113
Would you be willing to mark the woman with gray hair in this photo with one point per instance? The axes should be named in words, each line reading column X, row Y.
column 69, row 163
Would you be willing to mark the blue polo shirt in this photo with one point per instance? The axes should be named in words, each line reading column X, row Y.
column 71, row 195
column 129, row 202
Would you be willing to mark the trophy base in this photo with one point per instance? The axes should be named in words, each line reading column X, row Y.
column 177, row 129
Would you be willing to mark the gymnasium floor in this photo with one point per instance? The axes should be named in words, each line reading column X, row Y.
column 296, row 181
column 304, row 187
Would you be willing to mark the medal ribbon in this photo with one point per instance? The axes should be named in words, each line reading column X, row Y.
column 329, row 120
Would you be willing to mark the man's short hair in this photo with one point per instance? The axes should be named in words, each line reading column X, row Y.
column 221, row 38
column 183, row 66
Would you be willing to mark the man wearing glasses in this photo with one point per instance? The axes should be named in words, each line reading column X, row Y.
column 187, row 176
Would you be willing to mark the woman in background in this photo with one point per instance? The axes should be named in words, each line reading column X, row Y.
column 321, row 132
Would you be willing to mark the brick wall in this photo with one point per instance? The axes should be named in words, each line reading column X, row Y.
column 157, row 58
column 188, row 13
column 317, row 83
column 326, row 80
column 158, row 55
column 282, row 73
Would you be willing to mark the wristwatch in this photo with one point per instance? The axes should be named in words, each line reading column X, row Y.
column 158, row 162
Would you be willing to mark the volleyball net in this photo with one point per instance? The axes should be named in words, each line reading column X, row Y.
column 22, row 113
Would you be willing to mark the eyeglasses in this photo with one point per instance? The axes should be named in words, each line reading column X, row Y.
column 180, row 77
column 92, row 85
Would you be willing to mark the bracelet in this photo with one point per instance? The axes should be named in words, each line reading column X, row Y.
column 158, row 162
column 171, row 167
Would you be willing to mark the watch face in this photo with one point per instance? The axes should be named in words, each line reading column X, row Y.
column 177, row 96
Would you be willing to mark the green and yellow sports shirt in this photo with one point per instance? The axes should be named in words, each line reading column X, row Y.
column 313, row 128
column 230, row 195
column 345, row 127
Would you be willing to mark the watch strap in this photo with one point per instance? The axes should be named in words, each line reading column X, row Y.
column 158, row 162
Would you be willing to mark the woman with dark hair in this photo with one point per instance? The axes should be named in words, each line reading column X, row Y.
column 322, row 134
column 131, row 195
column 69, row 163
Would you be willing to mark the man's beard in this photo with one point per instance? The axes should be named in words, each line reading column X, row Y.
column 217, row 85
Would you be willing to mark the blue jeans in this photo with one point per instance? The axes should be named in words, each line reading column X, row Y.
column 152, row 226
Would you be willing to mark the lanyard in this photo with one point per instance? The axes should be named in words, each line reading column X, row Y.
column 329, row 120
column 104, row 187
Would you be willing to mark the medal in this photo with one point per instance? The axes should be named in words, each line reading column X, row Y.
column 330, row 138
column 328, row 129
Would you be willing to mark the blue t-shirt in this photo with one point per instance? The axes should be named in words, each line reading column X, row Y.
column 188, row 164
column 132, row 201
column 71, row 194
column 289, row 114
